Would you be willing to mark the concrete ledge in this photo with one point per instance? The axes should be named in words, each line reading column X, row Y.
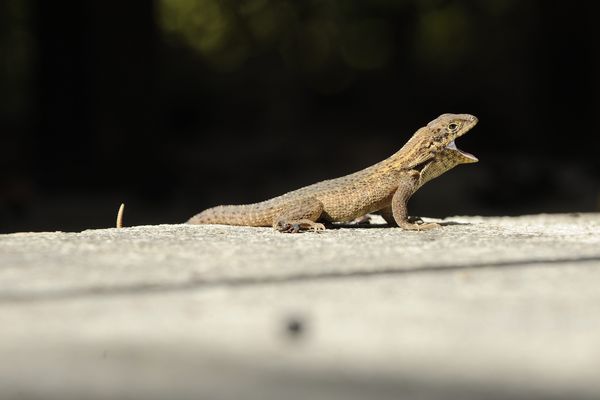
column 483, row 308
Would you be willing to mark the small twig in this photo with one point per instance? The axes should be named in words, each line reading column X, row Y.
column 120, row 216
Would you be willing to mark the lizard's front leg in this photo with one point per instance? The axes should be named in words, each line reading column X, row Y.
column 406, row 188
column 300, row 216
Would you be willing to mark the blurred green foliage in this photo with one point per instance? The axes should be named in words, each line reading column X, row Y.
column 310, row 35
column 16, row 58
column 317, row 37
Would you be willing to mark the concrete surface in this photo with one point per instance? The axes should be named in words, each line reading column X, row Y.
column 483, row 308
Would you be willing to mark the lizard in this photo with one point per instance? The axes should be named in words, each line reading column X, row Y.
column 384, row 187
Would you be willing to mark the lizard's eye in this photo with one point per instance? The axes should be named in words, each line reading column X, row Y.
column 452, row 126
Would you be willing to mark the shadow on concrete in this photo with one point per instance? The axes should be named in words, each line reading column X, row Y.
column 340, row 225
column 248, row 281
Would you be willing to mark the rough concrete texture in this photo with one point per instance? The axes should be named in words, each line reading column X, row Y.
column 482, row 308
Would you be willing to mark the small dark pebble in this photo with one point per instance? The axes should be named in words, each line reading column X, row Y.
column 295, row 327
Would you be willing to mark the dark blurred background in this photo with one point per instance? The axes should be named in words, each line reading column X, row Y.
column 172, row 106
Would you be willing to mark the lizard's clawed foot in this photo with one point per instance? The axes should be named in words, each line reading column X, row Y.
column 302, row 225
column 419, row 227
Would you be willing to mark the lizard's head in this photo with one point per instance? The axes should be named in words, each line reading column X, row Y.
column 443, row 131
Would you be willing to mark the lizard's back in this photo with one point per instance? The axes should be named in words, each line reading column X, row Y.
column 343, row 199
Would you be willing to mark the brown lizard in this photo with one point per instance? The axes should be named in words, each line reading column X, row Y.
column 384, row 187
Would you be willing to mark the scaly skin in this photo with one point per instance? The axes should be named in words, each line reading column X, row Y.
column 384, row 187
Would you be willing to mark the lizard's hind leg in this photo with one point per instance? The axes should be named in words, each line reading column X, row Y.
column 301, row 215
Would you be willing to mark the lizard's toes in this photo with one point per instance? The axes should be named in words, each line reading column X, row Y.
column 298, row 226
column 286, row 227
column 419, row 227
column 427, row 226
column 290, row 228
column 317, row 227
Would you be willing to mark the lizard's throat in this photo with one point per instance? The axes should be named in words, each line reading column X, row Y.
column 468, row 156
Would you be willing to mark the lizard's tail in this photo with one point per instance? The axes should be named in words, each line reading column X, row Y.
column 233, row 215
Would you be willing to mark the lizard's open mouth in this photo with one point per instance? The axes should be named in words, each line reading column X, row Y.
column 471, row 157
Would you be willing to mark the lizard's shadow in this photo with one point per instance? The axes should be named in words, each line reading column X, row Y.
column 343, row 225
column 448, row 223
